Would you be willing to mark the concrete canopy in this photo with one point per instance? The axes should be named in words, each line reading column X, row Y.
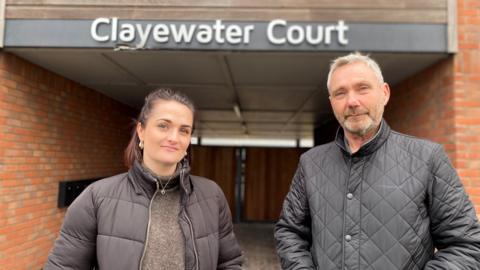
column 237, row 94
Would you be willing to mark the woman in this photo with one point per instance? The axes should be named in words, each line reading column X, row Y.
column 155, row 216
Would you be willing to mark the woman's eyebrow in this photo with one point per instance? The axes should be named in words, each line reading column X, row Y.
column 164, row 119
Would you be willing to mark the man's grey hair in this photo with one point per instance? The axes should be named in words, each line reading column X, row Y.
column 354, row 58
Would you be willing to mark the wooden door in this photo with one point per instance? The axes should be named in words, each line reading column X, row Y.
column 268, row 174
column 217, row 164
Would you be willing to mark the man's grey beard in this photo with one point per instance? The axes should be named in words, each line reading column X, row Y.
column 362, row 132
column 372, row 124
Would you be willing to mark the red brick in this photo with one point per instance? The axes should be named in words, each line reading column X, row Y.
column 473, row 191
column 417, row 107
column 46, row 124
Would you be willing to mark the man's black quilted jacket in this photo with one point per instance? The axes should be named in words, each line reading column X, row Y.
column 388, row 206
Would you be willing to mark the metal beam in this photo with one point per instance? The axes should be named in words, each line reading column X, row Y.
column 124, row 70
column 220, row 85
column 299, row 110
column 236, row 105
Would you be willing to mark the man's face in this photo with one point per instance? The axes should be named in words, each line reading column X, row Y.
column 358, row 98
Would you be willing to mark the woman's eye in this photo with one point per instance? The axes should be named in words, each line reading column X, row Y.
column 185, row 131
column 162, row 126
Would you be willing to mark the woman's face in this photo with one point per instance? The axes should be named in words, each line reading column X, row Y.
column 166, row 135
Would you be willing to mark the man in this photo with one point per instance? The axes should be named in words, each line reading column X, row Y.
column 374, row 198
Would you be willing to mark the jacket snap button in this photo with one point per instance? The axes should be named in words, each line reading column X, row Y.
column 349, row 196
column 348, row 237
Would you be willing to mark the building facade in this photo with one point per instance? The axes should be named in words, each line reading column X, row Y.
column 73, row 74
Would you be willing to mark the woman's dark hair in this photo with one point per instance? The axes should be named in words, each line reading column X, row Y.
column 133, row 151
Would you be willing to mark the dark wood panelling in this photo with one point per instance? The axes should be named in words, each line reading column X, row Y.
column 217, row 164
column 268, row 174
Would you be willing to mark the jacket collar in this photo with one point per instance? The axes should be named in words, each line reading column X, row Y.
column 368, row 148
column 145, row 182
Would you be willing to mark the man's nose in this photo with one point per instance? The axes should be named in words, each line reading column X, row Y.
column 352, row 100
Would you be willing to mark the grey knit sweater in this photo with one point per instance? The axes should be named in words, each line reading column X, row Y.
column 165, row 241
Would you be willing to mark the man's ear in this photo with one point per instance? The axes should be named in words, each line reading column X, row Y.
column 386, row 93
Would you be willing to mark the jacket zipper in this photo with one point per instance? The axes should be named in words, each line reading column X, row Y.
column 193, row 240
column 148, row 225
column 195, row 254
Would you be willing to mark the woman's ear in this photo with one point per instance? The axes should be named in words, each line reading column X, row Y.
column 140, row 130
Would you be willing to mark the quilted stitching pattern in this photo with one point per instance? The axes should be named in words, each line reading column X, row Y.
column 404, row 192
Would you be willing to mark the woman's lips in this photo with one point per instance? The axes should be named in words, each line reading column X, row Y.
column 170, row 148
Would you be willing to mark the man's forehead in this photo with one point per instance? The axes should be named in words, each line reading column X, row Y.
column 357, row 71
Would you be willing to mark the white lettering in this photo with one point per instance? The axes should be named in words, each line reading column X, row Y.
column 270, row 29
column 94, row 29
column 204, row 34
column 246, row 36
column 279, row 32
column 114, row 29
column 219, row 27
column 309, row 35
column 328, row 33
column 341, row 28
column 233, row 34
column 295, row 34
column 143, row 34
column 181, row 33
column 160, row 33
column 127, row 32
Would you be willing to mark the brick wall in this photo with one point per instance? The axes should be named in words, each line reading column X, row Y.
column 422, row 105
column 51, row 129
column 442, row 103
column 467, row 97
